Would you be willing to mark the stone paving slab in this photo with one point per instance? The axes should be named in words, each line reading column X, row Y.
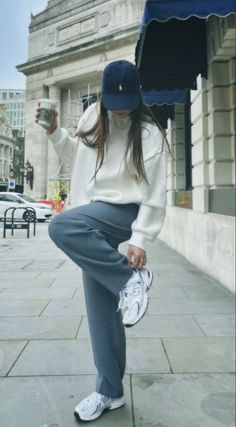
column 50, row 402
column 165, row 326
column 209, row 354
column 165, row 268
column 184, row 400
column 67, row 282
column 38, row 293
column 156, row 326
column 167, row 258
column 205, row 291
column 65, row 308
column 25, row 283
column 5, row 256
column 79, row 294
column 70, row 266
column 146, row 355
column 44, row 265
column 38, row 328
column 10, row 266
column 61, row 274
column 55, row 357
column 185, row 272
column 20, row 275
column 9, row 352
column 185, row 279
column 22, row 308
column 158, row 291
column 191, row 305
column 48, row 357
column 217, row 324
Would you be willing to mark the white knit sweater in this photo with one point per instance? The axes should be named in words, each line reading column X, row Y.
column 115, row 182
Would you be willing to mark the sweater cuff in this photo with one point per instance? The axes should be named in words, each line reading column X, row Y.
column 139, row 240
column 56, row 135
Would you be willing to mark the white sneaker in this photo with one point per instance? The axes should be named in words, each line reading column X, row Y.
column 133, row 298
column 95, row 404
column 147, row 277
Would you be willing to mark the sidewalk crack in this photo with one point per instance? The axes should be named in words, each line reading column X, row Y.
column 80, row 323
column 165, row 351
column 204, row 334
column 23, row 349
column 132, row 399
column 45, row 308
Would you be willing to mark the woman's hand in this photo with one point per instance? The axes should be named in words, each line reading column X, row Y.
column 136, row 256
column 53, row 121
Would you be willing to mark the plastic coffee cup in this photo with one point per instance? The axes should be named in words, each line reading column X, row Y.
column 47, row 107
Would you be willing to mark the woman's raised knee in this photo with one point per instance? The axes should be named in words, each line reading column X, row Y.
column 56, row 227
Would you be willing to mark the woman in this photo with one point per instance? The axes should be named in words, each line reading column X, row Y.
column 118, row 192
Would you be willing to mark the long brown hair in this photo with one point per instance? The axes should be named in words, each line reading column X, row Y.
column 97, row 137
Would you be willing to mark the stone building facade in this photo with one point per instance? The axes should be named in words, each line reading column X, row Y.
column 70, row 43
column 15, row 112
column 7, row 146
column 205, row 232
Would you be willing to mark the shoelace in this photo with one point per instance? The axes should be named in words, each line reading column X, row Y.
column 94, row 399
column 133, row 289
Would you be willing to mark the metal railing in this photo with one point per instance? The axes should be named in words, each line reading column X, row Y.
column 12, row 223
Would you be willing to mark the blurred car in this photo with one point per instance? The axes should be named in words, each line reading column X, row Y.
column 16, row 200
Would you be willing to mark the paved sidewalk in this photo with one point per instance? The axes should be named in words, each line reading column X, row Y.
column 180, row 358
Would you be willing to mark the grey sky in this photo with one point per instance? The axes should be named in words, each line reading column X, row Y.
column 14, row 22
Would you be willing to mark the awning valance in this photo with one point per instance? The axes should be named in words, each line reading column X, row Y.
column 172, row 50
column 162, row 103
column 164, row 97
column 163, row 10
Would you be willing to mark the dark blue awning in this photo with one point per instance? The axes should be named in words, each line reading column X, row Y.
column 162, row 103
column 172, row 49
column 162, row 10
column 164, row 97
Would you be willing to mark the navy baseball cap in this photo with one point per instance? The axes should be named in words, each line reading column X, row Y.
column 121, row 86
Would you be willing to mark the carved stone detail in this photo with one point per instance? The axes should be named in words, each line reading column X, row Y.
column 54, row 92
column 104, row 19
column 77, row 29
column 51, row 38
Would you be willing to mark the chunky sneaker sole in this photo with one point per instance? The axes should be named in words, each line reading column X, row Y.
column 147, row 277
column 114, row 403
column 140, row 314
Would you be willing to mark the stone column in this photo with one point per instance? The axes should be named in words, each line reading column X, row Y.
column 170, row 165
column 232, row 93
column 53, row 159
column 179, row 148
column 35, row 143
column 199, row 147
column 221, row 120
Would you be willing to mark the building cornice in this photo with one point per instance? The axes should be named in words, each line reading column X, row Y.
column 75, row 52
column 58, row 12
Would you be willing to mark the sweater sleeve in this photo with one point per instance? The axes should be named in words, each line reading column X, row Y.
column 65, row 145
column 151, row 213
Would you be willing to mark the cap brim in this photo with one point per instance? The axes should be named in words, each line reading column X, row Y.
column 121, row 102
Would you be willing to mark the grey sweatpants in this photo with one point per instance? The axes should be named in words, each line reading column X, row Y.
column 90, row 235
